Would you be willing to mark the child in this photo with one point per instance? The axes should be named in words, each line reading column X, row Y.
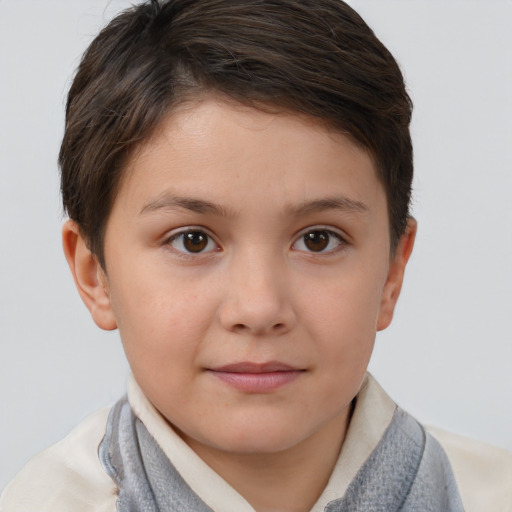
column 237, row 176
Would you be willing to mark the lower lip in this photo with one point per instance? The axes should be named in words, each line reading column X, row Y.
column 265, row 382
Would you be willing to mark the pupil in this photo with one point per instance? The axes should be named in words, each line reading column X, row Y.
column 316, row 240
column 195, row 241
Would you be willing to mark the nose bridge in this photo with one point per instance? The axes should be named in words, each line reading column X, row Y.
column 257, row 299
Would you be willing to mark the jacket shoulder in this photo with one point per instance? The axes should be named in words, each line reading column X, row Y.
column 483, row 472
column 66, row 476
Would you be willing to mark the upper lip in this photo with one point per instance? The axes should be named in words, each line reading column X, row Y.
column 250, row 367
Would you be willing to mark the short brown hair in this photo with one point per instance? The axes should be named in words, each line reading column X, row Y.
column 316, row 57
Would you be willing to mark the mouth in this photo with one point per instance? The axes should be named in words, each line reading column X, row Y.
column 257, row 377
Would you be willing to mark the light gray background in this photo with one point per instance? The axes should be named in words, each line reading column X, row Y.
column 447, row 357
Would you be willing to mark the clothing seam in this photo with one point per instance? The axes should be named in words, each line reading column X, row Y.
column 420, row 459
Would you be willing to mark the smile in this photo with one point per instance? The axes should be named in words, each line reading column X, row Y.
column 256, row 378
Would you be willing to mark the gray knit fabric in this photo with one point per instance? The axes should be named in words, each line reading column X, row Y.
column 144, row 476
column 407, row 472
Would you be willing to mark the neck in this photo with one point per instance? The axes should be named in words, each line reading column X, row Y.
column 287, row 481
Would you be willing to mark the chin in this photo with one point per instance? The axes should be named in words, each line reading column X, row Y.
column 261, row 439
column 257, row 446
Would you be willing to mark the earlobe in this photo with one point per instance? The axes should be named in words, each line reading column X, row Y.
column 395, row 277
column 89, row 277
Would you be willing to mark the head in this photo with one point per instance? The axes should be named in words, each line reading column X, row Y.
column 237, row 174
column 317, row 58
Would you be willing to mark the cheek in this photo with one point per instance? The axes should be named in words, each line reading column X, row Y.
column 345, row 304
column 342, row 317
column 162, row 322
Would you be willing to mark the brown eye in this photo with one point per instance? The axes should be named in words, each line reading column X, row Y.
column 317, row 241
column 195, row 241
column 192, row 242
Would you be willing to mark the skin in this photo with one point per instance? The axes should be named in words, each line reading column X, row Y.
column 256, row 291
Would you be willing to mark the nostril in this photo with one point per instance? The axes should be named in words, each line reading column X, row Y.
column 242, row 327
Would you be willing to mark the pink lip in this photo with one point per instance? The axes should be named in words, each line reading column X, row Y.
column 256, row 377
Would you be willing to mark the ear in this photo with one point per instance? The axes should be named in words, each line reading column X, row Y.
column 393, row 285
column 90, row 279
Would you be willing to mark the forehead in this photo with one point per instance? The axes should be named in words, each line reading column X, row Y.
column 229, row 153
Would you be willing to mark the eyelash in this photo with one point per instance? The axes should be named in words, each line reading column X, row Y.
column 323, row 235
column 320, row 230
column 181, row 236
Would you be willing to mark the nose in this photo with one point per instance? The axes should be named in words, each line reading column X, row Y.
column 258, row 298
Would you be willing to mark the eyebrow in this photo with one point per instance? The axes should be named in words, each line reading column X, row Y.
column 173, row 202
column 330, row 203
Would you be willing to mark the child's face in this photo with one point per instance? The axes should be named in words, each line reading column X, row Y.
column 248, row 270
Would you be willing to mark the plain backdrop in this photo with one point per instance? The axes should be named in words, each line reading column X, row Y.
column 447, row 358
